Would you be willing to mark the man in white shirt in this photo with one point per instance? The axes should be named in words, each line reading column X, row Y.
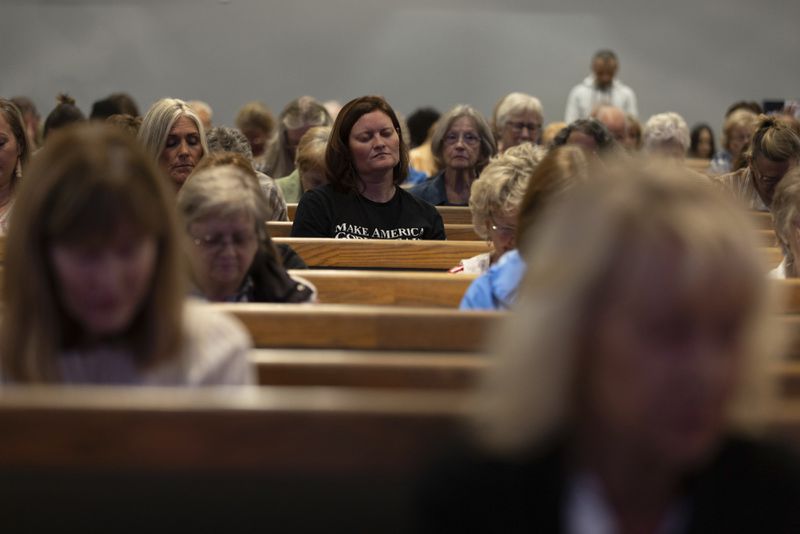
column 600, row 88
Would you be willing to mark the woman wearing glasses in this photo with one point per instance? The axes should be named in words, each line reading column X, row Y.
column 496, row 289
column 232, row 257
column 366, row 161
column 462, row 145
column 517, row 119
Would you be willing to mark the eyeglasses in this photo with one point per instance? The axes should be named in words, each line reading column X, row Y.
column 217, row 242
column 470, row 139
column 517, row 127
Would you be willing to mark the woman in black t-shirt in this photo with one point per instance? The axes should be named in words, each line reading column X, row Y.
column 366, row 161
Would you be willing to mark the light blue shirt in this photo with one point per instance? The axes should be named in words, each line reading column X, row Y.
column 496, row 289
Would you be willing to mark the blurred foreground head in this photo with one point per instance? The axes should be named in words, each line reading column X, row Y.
column 638, row 323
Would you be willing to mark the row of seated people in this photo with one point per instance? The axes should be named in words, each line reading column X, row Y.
column 96, row 222
column 558, row 443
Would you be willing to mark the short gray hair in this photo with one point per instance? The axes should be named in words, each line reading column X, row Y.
column 158, row 121
column 665, row 127
column 224, row 139
column 223, row 191
column 513, row 104
column 488, row 144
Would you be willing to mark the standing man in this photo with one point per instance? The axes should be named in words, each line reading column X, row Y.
column 599, row 89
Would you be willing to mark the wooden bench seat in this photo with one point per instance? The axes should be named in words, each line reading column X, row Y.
column 383, row 254
column 334, row 326
column 230, row 460
column 404, row 288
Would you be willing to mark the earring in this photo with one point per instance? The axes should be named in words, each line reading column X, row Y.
column 18, row 170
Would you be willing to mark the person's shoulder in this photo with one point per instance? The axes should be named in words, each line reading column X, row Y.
column 419, row 199
column 216, row 345
column 429, row 190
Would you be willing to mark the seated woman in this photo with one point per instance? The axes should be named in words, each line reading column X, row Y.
column 93, row 285
column 64, row 114
column 666, row 135
column 495, row 200
column 173, row 136
column 232, row 257
column 462, row 145
column 736, row 134
column 701, row 145
column 366, row 161
column 309, row 171
column 256, row 122
column 774, row 149
column 13, row 157
column 631, row 379
column 224, row 139
column 295, row 120
column 517, row 119
column 786, row 219
column 496, row 289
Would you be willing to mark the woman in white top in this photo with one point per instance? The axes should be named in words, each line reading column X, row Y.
column 93, row 288
column 786, row 219
column 13, row 155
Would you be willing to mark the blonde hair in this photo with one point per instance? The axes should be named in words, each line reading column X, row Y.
column 299, row 113
column 158, row 121
column 531, row 392
column 775, row 139
column 502, row 185
column 741, row 118
column 85, row 183
column 311, row 149
column 256, row 115
column 785, row 211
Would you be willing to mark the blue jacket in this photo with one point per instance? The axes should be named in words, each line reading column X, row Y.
column 496, row 289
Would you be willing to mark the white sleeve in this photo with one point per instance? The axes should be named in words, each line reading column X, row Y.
column 631, row 107
column 573, row 109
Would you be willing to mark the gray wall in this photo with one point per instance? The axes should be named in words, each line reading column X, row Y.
column 690, row 57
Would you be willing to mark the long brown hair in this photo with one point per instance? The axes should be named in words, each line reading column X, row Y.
column 87, row 181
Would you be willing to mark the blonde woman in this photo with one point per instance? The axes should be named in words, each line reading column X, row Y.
column 562, row 168
column 494, row 203
column 13, row 157
column 774, row 149
column 736, row 134
column 309, row 172
column 628, row 377
column 93, row 281
column 174, row 137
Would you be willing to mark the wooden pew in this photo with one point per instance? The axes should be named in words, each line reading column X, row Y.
column 762, row 219
column 772, row 256
column 767, row 238
column 333, row 326
column 403, row 288
column 369, row 369
column 385, row 254
column 450, row 214
column 454, row 232
column 230, row 460
column 299, row 460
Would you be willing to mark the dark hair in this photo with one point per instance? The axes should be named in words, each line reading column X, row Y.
column 13, row 117
column 114, row 104
column 127, row 123
column 751, row 105
column 419, row 124
column 63, row 114
column 605, row 54
column 338, row 159
column 591, row 127
column 694, row 137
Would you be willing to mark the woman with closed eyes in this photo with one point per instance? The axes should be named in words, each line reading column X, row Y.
column 174, row 137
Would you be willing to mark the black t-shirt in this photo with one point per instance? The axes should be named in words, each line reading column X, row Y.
column 326, row 212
